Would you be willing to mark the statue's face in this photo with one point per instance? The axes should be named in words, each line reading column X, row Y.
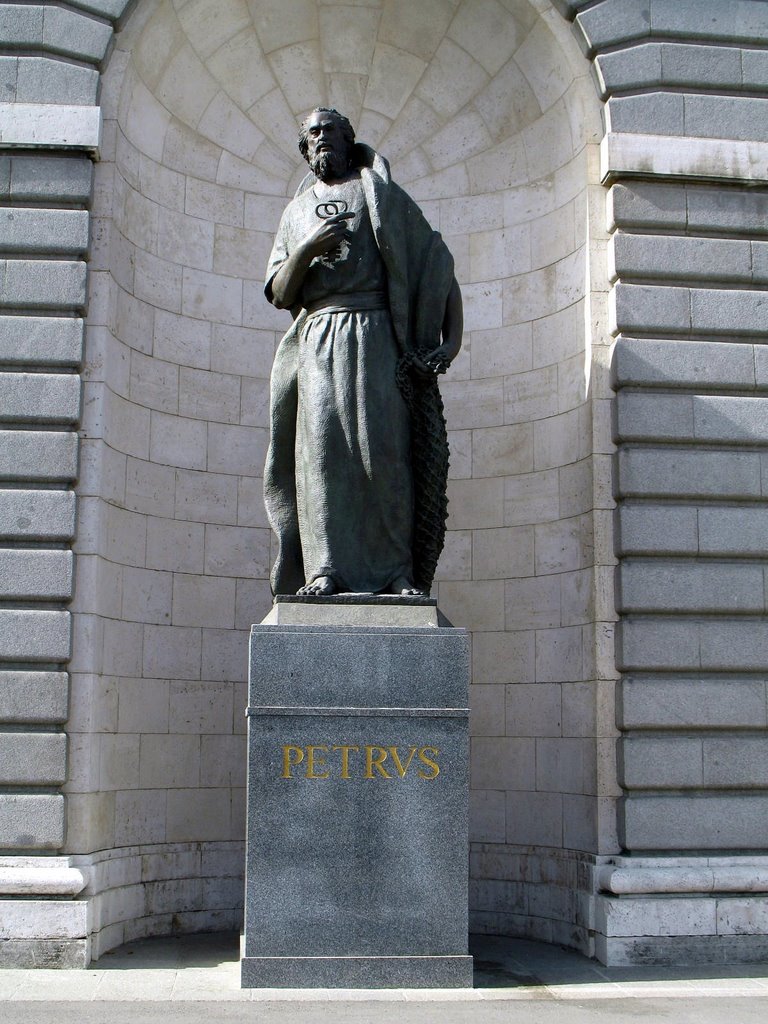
column 327, row 148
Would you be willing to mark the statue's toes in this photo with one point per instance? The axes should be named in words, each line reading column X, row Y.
column 321, row 587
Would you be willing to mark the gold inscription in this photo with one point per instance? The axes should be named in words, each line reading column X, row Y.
column 291, row 756
column 347, row 761
column 375, row 760
column 314, row 760
column 429, row 762
column 345, row 752
column 401, row 768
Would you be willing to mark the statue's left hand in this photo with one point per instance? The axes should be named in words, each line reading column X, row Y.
column 429, row 364
column 433, row 363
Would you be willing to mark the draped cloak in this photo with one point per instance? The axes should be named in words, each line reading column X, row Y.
column 419, row 272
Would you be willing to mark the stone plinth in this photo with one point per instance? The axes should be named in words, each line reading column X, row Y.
column 356, row 867
column 44, row 919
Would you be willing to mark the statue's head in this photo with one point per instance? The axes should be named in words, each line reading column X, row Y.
column 326, row 139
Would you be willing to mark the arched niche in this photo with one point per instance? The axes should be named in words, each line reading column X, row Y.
column 486, row 113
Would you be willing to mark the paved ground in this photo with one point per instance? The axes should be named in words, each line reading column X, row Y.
column 176, row 981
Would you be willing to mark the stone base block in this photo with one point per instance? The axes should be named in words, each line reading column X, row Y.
column 44, row 933
column 63, row 912
column 678, row 929
column 357, row 972
column 39, row 926
column 681, row 950
column 61, row 954
column 356, row 862
column 355, row 610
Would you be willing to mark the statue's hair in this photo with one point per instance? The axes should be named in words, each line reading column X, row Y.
column 346, row 127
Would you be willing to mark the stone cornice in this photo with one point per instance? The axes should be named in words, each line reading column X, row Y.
column 671, row 156
column 50, row 126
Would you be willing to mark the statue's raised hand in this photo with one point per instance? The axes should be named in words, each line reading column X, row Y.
column 328, row 234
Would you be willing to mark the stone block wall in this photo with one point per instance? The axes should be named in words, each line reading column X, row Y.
column 43, row 240
column 691, row 421
column 492, row 124
column 685, row 109
column 49, row 79
column 687, row 260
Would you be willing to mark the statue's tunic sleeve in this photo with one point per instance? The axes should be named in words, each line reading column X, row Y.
column 280, row 251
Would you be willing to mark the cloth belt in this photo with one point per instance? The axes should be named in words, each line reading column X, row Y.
column 353, row 302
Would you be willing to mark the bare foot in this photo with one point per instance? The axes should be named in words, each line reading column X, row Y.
column 403, row 587
column 323, row 586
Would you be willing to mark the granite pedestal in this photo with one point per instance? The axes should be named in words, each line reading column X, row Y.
column 356, row 864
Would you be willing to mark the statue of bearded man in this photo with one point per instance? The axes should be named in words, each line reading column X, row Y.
column 357, row 461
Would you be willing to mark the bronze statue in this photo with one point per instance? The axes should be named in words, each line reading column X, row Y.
column 357, row 463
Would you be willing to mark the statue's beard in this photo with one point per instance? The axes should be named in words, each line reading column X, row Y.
column 329, row 165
